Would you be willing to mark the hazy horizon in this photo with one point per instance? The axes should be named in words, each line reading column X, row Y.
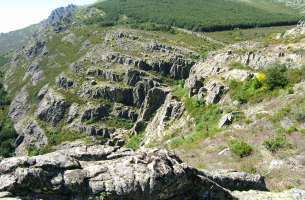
column 16, row 14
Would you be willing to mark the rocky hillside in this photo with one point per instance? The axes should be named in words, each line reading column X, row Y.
column 95, row 106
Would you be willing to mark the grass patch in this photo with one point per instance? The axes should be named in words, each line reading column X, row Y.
column 238, row 65
column 118, row 123
column 276, row 143
column 56, row 136
column 134, row 142
column 268, row 83
column 240, row 148
column 256, row 34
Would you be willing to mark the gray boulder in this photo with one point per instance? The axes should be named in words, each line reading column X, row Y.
column 141, row 90
column 226, row 120
column 115, row 94
column 171, row 110
column 43, row 91
column 234, row 180
column 36, row 49
column 215, row 91
column 193, row 84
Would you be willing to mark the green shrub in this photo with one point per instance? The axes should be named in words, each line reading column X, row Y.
column 273, row 144
column 240, row 148
column 277, row 77
column 244, row 91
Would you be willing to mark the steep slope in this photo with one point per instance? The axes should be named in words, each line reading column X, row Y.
column 200, row 15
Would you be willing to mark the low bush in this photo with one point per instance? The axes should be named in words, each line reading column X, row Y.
column 277, row 77
column 247, row 90
column 275, row 143
column 240, row 148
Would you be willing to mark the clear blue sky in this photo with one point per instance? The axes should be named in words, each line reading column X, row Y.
column 16, row 14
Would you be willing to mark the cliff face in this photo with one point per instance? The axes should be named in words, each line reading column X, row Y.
column 85, row 95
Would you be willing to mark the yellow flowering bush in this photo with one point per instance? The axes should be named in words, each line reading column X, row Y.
column 261, row 77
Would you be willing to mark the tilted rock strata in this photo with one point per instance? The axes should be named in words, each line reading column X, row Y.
column 83, row 171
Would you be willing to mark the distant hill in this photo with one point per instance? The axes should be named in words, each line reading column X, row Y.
column 15, row 39
column 201, row 15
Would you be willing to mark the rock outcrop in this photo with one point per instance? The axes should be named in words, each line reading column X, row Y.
column 166, row 114
column 30, row 135
column 19, row 105
column 52, row 107
column 34, row 72
column 60, row 18
column 64, row 82
column 94, row 113
column 89, row 171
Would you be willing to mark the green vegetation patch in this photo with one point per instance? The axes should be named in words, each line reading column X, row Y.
column 54, row 138
column 276, row 143
column 118, row 123
column 267, row 84
column 198, row 15
column 134, row 142
column 240, row 148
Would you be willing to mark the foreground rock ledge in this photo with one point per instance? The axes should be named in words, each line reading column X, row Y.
column 90, row 171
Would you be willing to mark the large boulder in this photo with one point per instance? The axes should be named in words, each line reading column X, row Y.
column 234, row 180
column 215, row 91
column 52, row 107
